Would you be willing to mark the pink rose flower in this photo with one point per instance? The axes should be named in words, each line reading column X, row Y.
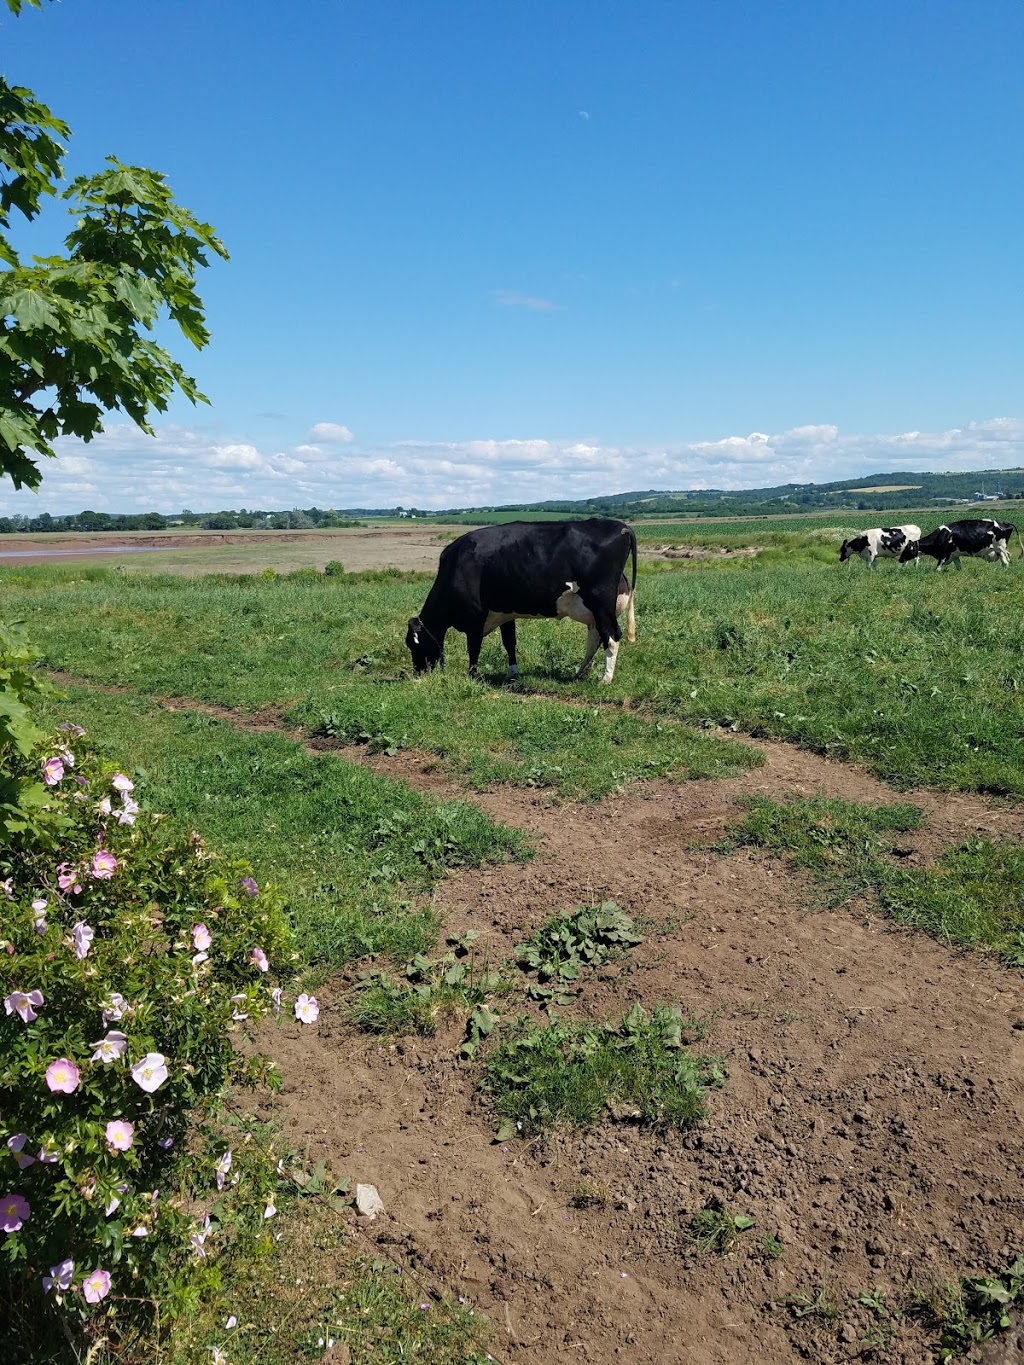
column 249, row 887
column 14, row 1210
column 16, row 1143
column 150, row 1072
column 259, row 959
column 307, row 1009
column 96, row 1286
column 21, row 1002
column 67, row 877
column 201, row 938
column 121, row 783
column 113, row 1008
column 62, row 1076
column 53, row 771
column 104, row 865
column 126, row 815
column 82, row 936
column 111, row 1048
column 222, row 1165
column 120, row 1134
column 60, row 1275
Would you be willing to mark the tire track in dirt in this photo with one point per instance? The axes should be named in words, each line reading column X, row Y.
column 872, row 1118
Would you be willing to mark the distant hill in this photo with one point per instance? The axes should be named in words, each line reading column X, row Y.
column 871, row 492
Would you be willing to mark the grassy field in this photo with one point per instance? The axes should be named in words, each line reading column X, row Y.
column 353, row 851
column 914, row 673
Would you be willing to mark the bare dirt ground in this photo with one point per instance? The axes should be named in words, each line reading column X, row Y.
column 199, row 552
column 872, row 1118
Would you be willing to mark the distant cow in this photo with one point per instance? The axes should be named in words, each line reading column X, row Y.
column 985, row 538
column 490, row 578
column 883, row 542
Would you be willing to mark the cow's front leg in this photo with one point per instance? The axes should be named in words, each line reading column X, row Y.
column 474, row 643
column 593, row 640
column 508, row 639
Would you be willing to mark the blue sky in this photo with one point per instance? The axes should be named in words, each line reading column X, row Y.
column 541, row 248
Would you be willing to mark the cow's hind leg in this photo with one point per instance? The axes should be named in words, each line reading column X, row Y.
column 607, row 625
column 593, row 640
column 508, row 639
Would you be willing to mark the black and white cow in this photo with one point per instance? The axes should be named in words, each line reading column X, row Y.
column 984, row 538
column 492, row 577
column 882, row 542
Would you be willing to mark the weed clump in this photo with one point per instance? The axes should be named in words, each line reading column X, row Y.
column 565, row 1073
column 557, row 953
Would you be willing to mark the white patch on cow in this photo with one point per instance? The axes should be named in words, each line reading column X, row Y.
column 610, row 654
column 502, row 618
column 571, row 605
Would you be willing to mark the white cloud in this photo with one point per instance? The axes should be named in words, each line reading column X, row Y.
column 122, row 470
column 511, row 298
column 331, row 431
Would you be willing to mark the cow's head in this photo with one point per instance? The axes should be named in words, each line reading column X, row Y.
column 846, row 550
column 423, row 646
column 910, row 551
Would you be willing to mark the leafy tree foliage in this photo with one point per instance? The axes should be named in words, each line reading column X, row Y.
column 75, row 330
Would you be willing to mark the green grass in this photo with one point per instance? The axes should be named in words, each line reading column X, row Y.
column 972, row 896
column 916, row 674
column 353, row 851
column 840, row 842
column 572, row 1074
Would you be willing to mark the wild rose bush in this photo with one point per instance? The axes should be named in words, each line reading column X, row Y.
column 128, row 964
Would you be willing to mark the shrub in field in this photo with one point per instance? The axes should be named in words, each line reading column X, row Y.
column 334, row 568
column 128, row 962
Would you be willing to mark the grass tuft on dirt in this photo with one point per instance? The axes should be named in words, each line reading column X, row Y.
column 573, row 1073
column 972, row 896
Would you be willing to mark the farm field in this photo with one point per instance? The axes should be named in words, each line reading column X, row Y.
column 846, row 951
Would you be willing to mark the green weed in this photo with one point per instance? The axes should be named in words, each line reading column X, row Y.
column 433, row 989
column 573, row 1073
column 714, row 1229
column 972, row 1311
column 558, row 952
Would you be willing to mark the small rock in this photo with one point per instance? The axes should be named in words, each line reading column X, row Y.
column 848, row 1332
column 368, row 1201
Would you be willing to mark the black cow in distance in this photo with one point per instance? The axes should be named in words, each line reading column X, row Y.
column 492, row 577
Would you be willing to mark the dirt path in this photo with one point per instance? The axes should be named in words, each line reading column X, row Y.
column 872, row 1119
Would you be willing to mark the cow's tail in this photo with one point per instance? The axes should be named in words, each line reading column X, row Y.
column 630, row 614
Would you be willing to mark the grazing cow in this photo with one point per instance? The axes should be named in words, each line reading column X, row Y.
column 985, row 538
column 883, row 542
column 490, row 578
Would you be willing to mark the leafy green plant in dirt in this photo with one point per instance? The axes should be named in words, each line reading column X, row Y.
column 432, row 989
column 714, row 1228
column 558, row 952
column 973, row 1311
column 638, row 1069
